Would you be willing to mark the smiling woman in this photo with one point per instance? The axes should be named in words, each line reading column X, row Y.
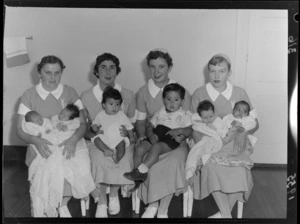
column 48, row 98
column 104, row 169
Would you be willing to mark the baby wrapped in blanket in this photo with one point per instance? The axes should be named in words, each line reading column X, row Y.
column 47, row 175
column 215, row 129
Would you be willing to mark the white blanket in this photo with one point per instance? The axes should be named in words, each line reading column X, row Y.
column 209, row 144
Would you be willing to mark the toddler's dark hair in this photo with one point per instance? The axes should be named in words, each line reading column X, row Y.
column 242, row 102
column 174, row 87
column 111, row 93
column 205, row 105
column 152, row 55
column 28, row 115
column 74, row 111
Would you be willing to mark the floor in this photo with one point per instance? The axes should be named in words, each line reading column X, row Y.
column 267, row 200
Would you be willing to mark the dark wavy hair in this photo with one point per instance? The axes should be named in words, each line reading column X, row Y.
column 174, row 87
column 74, row 111
column 111, row 93
column 205, row 105
column 106, row 57
column 152, row 55
column 50, row 59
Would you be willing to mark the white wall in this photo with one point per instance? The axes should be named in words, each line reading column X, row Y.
column 79, row 35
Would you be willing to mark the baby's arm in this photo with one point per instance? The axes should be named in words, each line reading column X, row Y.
column 33, row 129
column 72, row 125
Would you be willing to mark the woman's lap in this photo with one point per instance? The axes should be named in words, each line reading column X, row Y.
column 104, row 169
column 165, row 177
column 227, row 179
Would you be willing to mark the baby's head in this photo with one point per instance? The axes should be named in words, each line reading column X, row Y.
column 70, row 112
column 241, row 109
column 173, row 97
column 34, row 117
column 111, row 100
column 206, row 111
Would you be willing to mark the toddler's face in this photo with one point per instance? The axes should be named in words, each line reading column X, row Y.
column 218, row 75
column 37, row 119
column 240, row 111
column 208, row 116
column 111, row 106
column 64, row 115
column 172, row 101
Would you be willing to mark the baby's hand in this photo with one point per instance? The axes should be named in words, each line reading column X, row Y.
column 233, row 123
column 153, row 138
column 61, row 127
column 108, row 152
column 132, row 140
column 175, row 132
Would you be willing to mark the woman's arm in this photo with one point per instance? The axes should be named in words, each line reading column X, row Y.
column 254, row 129
column 40, row 143
column 70, row 143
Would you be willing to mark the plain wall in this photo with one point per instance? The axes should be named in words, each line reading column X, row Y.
column 77, row 36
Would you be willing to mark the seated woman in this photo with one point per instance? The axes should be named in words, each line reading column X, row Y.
column 46, row 176
column 104, row 170
column 166, row 177
column 226, row 182
column 48, row 98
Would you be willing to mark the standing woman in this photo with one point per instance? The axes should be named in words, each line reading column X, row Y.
column 48, row 98
column 167, row 176
column 226, row 183
column 104, row 170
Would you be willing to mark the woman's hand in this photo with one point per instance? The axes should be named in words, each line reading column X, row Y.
column 95, row 128
column 240, row 142
column 232, row 133
column 123, row 131
column 69, row 147
column 42, row 147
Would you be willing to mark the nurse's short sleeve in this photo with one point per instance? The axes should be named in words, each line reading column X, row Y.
column 131, row 107
column 74, row 97
column 25, row 102
column 140, row 106
column 187, row 101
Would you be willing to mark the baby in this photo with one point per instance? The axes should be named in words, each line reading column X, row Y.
column 65, row 122
column 241, row 117
column 108, row 122
column 213, row 128
column 47, row 176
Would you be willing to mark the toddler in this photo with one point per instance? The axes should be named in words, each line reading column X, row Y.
column 164, row 129
column 108, row 122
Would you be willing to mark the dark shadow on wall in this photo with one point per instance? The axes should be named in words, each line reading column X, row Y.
column 91, row 77
column 13, row 137
column 145, row 70
column 35, row 79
